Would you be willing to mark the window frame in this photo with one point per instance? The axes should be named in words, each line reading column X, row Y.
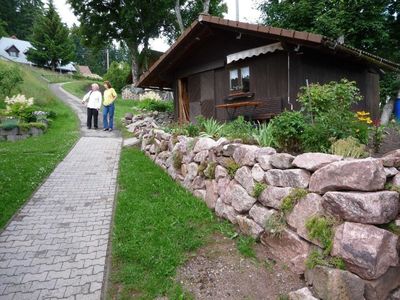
column 238, row 70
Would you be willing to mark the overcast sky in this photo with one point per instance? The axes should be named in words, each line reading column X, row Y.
column 247, row 13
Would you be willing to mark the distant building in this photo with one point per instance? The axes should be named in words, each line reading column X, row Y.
column 85, row 71
column 13, row 49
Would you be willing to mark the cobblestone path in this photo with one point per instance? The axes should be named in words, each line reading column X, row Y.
column 56, row 246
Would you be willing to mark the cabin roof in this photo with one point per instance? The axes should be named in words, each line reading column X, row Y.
column 168, row 60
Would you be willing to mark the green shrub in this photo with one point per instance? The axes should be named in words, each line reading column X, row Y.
column 392, row 227
column 391, row 187
column 316, row 258
column 24, row 127
column 10, row 80
column 275, row 225
column 38, row 125
column 117, row 75
column 192, row 130
column 209, row 172
column 155, row 105
column 290, row 200
column 177, row 160
column 349, row 147
column 258, row 189
column 245, row 246
column 321, row 229
column 201, row 168
column 288, row 128
column 212, row 128
column 378, row 134
column 9, row 124
column 264, row 136
column 232, row 167
column 239, row 129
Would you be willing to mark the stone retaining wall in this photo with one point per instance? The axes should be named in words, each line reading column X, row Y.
column 224, row 175
column 17, row 134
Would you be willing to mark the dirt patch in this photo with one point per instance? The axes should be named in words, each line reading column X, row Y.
column 218, row 271
column 390, row 142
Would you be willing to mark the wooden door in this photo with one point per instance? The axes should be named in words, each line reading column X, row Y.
column 183, row 100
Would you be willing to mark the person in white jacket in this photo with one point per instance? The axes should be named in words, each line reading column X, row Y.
column 93, row 99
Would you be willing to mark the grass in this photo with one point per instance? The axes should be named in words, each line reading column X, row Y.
column 156, row 224
column 245, row 245
column 321, row 229
column 25, row 164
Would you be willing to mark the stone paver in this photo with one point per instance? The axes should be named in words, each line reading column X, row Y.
column 56, row 246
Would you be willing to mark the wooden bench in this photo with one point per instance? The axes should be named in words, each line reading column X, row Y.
column 236, row 105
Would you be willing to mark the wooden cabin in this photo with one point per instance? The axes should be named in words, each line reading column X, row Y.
column 220, row 68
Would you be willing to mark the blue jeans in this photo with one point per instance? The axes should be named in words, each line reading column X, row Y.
column 108, row 116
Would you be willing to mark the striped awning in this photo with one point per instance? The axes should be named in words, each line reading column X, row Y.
column 253, row 52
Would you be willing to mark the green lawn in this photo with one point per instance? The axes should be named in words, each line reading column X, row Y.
column 157, row 223
column 25, row 164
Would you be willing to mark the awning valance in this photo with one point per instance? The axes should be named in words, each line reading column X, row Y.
column 253, row 52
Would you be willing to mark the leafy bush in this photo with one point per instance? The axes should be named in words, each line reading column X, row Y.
column 10, row 80
column 349, row 147
column 239, row 129
column 9, row 124
column 155, row 105
column 258, row 189
column 192, row 130
column 209, row 172
column 290, row 201
column 264, row 136
column 288, row 128
column 212, row 128
column 21, row 107
column 320, row 229
column 117, row 74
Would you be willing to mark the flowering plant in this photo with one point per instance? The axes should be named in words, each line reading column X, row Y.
column 21, row 107
column 150, row 95
column 364, row 117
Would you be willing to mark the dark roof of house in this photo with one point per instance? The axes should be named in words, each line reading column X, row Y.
column 167, row 60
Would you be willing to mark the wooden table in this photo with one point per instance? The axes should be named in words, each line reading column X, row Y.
column 237, row 105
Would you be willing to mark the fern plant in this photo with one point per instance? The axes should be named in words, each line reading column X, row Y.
column 212, row 128
column 264, row 135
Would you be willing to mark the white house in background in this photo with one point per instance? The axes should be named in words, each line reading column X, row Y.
column 15, row 50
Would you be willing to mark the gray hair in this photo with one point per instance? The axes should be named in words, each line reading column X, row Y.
column 95, row 87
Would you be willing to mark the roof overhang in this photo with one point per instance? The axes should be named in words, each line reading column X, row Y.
column 158, row 74
column 253, row 52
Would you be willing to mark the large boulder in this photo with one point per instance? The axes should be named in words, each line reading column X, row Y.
column 201, row 156
column 368, row 207
column 354, row 175
column 260, row 214
column 225, row 211
column 228, row 150
column 204, row 143
column 220, row 172
column 249, row 227
column 367, row 250
column 307, row 207
column 301, row 294
column 333, row 284
column 314, row 161
column 391, row 159
column 380, row 288
column 244, row 177
column 296, row 178
column 245, row 155
column 288, row 248
column 211, row 193
column 272, row 196
column 282, row 160
column 223, row 185
column 265, row 162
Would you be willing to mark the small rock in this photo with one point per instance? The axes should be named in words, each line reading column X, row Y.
column 380, row 288
column 391, row 159
column 223, row 186
column 396, row 180
column 131, row 142
column 314, row 161
column 245, row 155
column 390, row 172
column 201, row 156
column 204, row 143
column 272, row 196
column 240, row 199
column 249, row 227
column 264, row 162
column 200, row 194
column 297, row 178
column 225, row 211
column 211, row 193
column 282, row 160
column 260, row 214
column 198, row 183
column 302, row 294
column 258, row 173
column 220, row 172
column 244, row 177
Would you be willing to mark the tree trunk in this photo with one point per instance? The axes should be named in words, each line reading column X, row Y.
column 179, row 16
column 387, row 112
column 133, row 48
column 206, row 7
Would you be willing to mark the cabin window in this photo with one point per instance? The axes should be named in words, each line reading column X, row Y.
column 239, row 79
column 13, row 53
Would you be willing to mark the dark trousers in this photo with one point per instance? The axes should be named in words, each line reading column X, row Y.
column 92, row 113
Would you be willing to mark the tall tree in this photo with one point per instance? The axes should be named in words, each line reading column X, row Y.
column 134, row 22
column 19, row 16
column 51, row 41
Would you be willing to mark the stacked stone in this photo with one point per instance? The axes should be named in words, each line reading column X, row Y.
column 351, row 190
column 17, row 134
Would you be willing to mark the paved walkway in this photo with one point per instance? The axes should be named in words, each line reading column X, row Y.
column 56, row 246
